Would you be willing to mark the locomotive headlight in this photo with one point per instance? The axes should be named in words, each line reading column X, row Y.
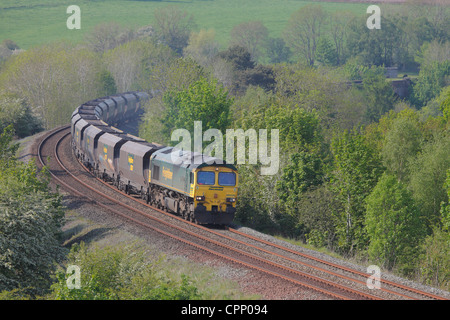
column 200, row 198
column 231, row 199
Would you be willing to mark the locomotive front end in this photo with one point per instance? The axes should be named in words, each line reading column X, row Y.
column 215, row 194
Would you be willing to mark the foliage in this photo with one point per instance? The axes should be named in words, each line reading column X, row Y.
column 393, row 224
column 173, row 26
column 325, row 53
column 123, row 273
column 432, row 78
column 245, row 72
column 252, row 36
column 434, row 265
column 357, row 168
column 16, row 112
column 30, row 221
column 428, row 174
column 202, row 47
column 304, row 29
column 402, row 143
column 53, row 79
column 378, row 92
column 202, row 101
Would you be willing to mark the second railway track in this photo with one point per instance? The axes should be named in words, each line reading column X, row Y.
column 328, row 279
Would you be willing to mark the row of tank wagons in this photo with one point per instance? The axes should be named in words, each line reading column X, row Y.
column 90, row 126
column 131, row 163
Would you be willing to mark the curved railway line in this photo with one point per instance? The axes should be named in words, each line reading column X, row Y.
column 328, row 279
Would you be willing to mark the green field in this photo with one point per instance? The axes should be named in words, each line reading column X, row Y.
column 32, row 22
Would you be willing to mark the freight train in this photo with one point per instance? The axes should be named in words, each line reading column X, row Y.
column 194, row 186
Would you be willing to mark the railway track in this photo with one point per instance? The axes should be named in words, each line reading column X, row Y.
column 290, row 266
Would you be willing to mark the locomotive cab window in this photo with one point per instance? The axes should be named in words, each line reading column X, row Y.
column 206, row 177
column 227, row 179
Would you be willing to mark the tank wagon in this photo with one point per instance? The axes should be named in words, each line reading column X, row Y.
column 194, row 186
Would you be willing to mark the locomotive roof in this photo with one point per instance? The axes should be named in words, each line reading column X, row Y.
column 188, row 159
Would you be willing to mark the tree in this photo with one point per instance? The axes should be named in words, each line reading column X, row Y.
column 357, row 168
column 53, row 79
column 252, row 36
column 202, row 47
column 303, row 31
column 121, row 273
column 30, row 220
column 445, row 104
column 304, row 171
column 402, row 143
column 245, row 71
column 375, row 47
column 16, row 112
column 107, row 36
column 432, row 79
column 339, row 29
column 427, row 179
column 203, row 101
column 277, row 51
column 173, row 27
column 326, row 53
column 393, row 224
column 132, row 63
column 378, row 92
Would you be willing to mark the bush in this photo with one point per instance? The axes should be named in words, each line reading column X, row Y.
column 124, row 273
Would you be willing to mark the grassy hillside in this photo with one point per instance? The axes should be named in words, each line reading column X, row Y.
column 34, row 22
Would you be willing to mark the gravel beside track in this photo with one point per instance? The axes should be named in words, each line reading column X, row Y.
column 250, row 280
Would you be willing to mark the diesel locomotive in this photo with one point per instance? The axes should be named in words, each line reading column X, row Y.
column 197, row 187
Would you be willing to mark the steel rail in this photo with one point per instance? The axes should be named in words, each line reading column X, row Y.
column 303, row 284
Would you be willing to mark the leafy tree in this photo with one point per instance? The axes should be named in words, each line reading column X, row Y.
column 277, row 51
column 245, row 71
column 173, row 27
column 239, row 57
column 326, row 53
column 53, row 79
column 202, row 101
column 445, row 207
column 434, row 267
column 251, row 35
column 121, row 273
column 339, row 29
column 107, row 36
column 427, row 181
column 304, row 30
column 432, row 78
column 202, row 47
column 402, row 143
column 378, row 92
column 393, row 224
column 304, row 171
column 30, row 220
column 134, row 64
column 299, row 130
column 16, row 112
column 445, row 105
column 374, row 47
column 357, row 168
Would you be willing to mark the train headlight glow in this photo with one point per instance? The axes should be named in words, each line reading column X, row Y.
column 231, row 199
column 200, row 198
